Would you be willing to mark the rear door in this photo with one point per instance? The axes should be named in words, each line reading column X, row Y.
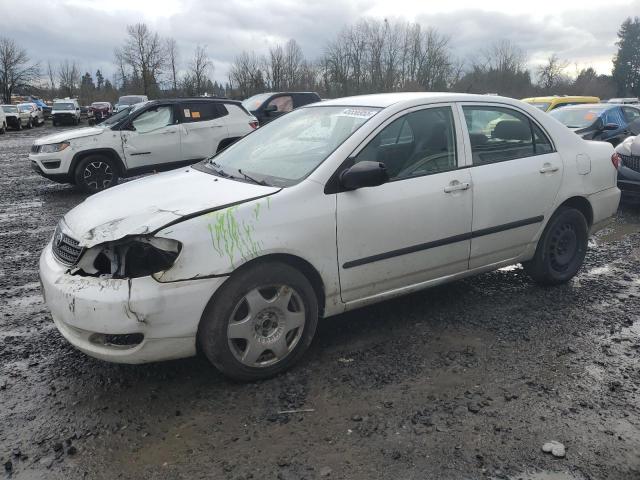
column 154, row 138
column 203, row 128
column 516, row 174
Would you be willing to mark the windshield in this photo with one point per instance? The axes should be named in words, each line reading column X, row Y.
column 577, row 117
column 63, row 106
column 100, row 105
column 288, row 149
column 9, row 109
column 253, row 103
column 24, row 108
column 123, row 113
column 544, row 106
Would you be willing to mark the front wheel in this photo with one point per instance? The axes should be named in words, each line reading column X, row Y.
column 96, row 173
column 29, row 123
column 260, row 322
column 3, row 129
column 561, row 248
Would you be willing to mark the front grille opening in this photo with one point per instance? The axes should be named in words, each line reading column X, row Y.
column 125, row 340
column 65, row 248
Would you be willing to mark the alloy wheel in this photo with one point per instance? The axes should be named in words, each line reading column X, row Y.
column 98, row 175
column 266, row 325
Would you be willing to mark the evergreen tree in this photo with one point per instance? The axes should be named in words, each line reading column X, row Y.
column 626, row 63
column 99, row 80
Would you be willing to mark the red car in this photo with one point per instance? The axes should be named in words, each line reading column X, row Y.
column 100, row 111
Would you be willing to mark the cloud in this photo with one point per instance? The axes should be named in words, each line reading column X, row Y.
column 88, row 31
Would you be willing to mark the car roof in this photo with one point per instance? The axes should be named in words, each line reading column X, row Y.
column 196, row 99
column 384, row 100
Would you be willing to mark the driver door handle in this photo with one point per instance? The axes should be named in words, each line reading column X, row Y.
column 456, row 186
column 548, row 168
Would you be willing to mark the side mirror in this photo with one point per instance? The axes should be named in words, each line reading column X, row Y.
column 270, row 108
column 364, row 174
column 611, row 126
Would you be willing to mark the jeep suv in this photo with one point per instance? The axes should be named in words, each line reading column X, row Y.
column 65, row 111
column 145, row 137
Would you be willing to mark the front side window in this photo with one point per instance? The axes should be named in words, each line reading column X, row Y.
column 283, row 104
column 154, row 119
column 285, row 151
column 499, row 134
column 631, row 114
column 419, row 143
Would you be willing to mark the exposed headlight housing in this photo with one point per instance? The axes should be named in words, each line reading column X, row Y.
column 130, row 257
column 53, row 147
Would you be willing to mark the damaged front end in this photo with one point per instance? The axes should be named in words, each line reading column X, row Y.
column 129, row 257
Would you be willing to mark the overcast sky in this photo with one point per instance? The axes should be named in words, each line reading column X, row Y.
column 87, row 31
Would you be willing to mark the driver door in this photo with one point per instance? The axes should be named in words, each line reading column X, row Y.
column 154, row 138
column 417, row 226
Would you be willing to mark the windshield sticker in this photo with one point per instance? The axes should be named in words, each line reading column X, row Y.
column 358, row 113
column 187, row 113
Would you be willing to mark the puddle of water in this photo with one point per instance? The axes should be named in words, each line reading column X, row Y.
column 618, row 231
column 547, row 476
column 600, row 270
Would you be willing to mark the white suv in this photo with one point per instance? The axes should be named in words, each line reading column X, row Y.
column 65, row 111
column 150, row 136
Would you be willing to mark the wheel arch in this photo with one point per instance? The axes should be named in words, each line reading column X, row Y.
column 582, row 205
column 109, row 152
column 300, row 264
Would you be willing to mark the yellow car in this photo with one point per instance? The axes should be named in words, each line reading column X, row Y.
column 547, row 104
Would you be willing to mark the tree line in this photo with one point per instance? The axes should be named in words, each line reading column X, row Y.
column 366, row 57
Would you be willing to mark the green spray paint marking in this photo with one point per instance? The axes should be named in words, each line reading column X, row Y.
column 233, row 238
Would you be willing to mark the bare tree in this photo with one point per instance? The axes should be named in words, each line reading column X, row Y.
column 68, row 78
column 143, row 51
column 51, row 74
column 171, row 48
column 551, row 73
column 199, row 68
column 246, row 75
column 16, row 70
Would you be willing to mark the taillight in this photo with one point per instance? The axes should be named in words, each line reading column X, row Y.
column 253, row 124
column 616, row 160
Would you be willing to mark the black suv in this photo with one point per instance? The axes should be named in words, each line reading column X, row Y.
column 268, row 106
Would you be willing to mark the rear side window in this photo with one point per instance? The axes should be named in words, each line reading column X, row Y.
column 202, row 111
column 631, row 114
column 283, row 103
column 500, row 134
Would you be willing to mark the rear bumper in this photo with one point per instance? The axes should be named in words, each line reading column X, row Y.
column 604, row 205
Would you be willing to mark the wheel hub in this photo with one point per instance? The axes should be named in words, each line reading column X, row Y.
column 268, row 324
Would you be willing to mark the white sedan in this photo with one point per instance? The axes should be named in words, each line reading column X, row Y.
column 334, row 206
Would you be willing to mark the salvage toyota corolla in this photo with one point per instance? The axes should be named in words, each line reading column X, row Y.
column 331, row 207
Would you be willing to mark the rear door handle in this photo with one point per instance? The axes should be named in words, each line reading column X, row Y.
column 548, row 168
column 456, row 186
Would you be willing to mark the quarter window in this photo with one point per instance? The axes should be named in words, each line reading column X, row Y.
column 500, row 134
column 419, row 143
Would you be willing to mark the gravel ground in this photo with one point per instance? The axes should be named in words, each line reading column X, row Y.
column 463, row 381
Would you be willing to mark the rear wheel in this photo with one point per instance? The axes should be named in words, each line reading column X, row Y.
column 96, row 173
column 260, row 322
column 561, row 248
column 3, row 128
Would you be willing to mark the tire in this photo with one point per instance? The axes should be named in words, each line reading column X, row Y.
column 19, row 127
column 269, row 285
column 3, row 130
column 96, row 173
column 561, row 248
column 29, row 124
column 55, row 124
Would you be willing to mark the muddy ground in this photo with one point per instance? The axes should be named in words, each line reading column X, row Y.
column 463, row 381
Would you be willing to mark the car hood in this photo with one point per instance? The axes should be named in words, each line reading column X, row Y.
column 629, row 147
column 69, row 135
column 148, row 204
